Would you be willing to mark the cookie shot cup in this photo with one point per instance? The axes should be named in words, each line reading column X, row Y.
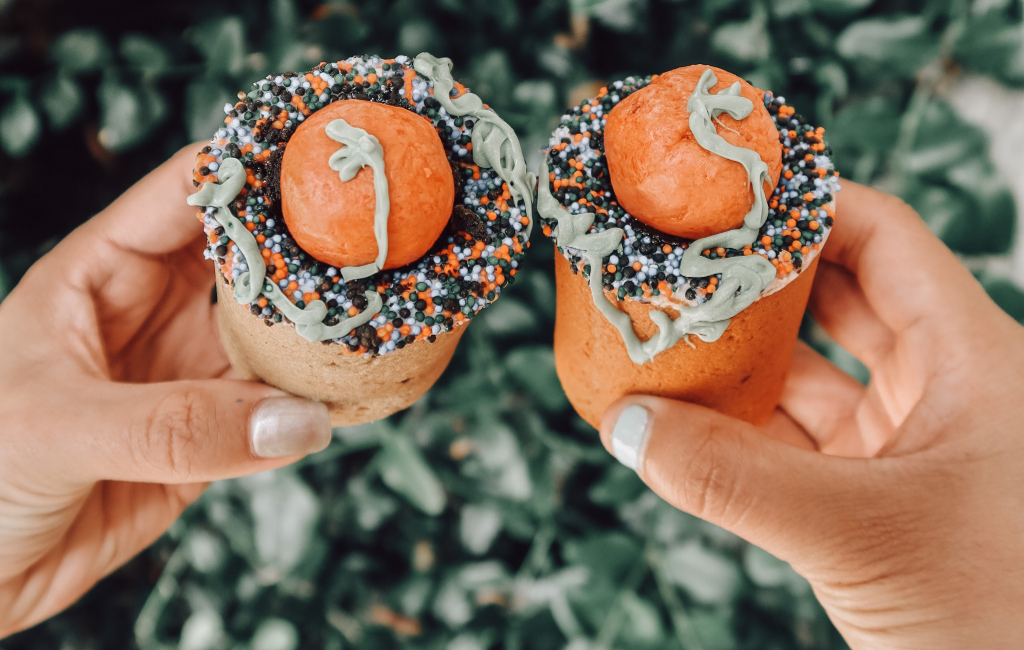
column 359, row 216
column 688, row 210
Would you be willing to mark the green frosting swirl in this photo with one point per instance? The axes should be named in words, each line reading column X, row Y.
column 230, row 181
column 363, row 150
column 248, row 286
column 495, row 144
column 743, row 278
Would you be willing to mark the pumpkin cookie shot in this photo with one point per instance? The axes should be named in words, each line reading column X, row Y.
column 688, row 210
column 358, row 216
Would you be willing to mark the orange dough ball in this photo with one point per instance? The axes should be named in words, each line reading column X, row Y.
column 668, row 181
column 332, row 220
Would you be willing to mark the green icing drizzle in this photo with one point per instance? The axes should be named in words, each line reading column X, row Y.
column 363, row 150
column 230, row 181
column 743, row 278
column 248, row 286
column 495, row 144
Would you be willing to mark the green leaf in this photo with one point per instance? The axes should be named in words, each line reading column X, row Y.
column 848, row 363
column 222, row 43
column 606, row 556
column 619, row 485
column 20, row 126
column 766, row 570
column 992, row 209
column 203, row 630
column 127, row 115
column 943, row 141
column 62, row 101
column 533, row 368
column 490, row 76
column 498, row 463
column 204, row 107
column 404, row 470
column 840, row 8
column 863, row 132
column 206, row 552
column 80, row 51
column 275, row 634
column 643, row 620
column 993, row 44
column 284, row 16
column 285, row 512
column 478, row 526
column 372, row 507
column 708, row 576
column 1006, row 294
column 419, row 36
column 783, row 9
column 746, row 41
column 620, row 15
column 832, row 77
column 714, row 630
column 900, row 44
column 145, row 55
column 5, row 283
column 509, row 317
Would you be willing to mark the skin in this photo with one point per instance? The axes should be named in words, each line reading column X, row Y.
column 900, row 501
column 117, row 407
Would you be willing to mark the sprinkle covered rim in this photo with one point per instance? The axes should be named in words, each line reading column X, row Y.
column 645, row 266
column 476, row 256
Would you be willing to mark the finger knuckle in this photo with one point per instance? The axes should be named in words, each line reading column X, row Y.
column 707, row 484
column 173, row 434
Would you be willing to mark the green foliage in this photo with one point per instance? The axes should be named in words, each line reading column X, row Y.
column 488, row 515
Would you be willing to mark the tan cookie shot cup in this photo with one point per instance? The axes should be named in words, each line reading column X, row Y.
column 359, row 216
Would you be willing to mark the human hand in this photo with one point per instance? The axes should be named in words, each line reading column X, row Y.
column 116, row 408
column 900, row 502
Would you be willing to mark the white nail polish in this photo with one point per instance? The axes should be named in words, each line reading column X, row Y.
column 629, row 437
column 288, row 426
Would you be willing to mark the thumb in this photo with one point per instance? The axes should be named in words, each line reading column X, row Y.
column 775, row 495
column 197, row 431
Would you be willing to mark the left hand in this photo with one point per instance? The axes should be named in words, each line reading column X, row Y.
column 117, row 410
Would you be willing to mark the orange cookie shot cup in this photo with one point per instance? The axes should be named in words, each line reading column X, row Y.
column 354, row 231
column 628, row 161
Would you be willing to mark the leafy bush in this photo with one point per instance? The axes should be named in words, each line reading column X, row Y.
column 487, row 515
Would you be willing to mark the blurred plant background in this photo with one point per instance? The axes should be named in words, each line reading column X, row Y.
column 488, row 515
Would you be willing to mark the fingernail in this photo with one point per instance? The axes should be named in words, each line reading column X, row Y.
column 288, row 426
column 629, row 437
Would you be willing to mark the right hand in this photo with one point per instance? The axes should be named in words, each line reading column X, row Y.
column 901, row 502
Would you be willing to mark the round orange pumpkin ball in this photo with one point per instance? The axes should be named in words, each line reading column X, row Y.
column 668, row 181
column 332, row 220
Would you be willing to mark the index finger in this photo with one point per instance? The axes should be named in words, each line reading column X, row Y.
column 152, row 217
column 909, row 277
